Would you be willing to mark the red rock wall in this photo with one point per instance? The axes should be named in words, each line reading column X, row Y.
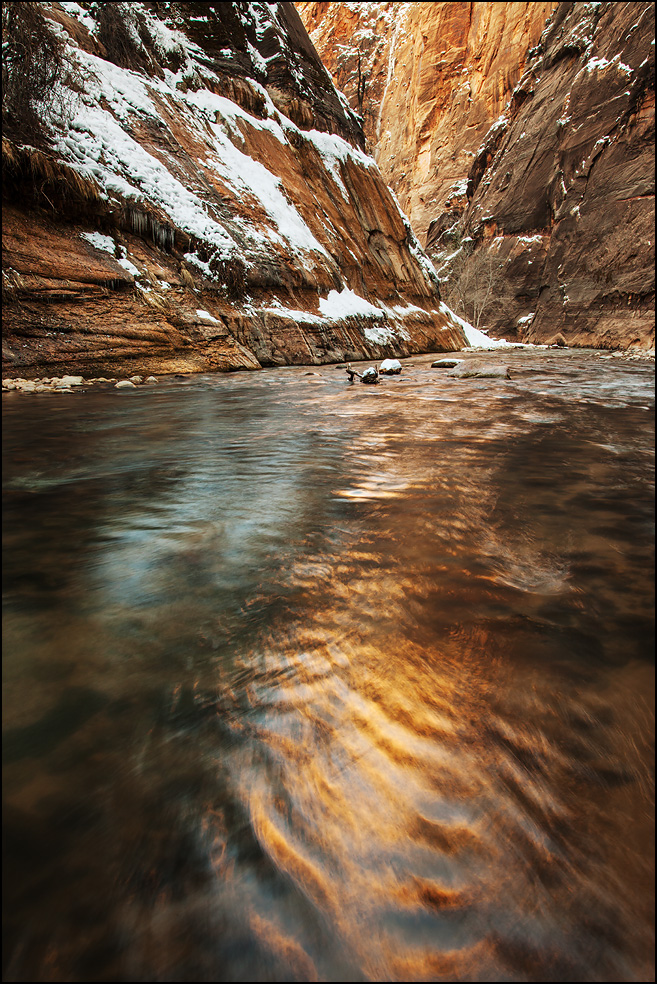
column 556, row 144
column 436, row 77
column 562, row 194
column 206, row 205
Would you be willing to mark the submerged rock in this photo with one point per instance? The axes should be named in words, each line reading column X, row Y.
column 445, row 363
column 479, row 370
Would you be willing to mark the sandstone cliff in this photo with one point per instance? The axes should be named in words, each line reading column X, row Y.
column 203, row 202
column 560, row 219
column 519, row 138
column 433, row 78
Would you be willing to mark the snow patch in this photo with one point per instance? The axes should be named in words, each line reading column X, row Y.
column 206, row 316
column 475, row 338
column 600, row 64
column 244, row 174
column 275, row 307
column 346, row 304
column 123, row 166
column 380, row 334
column 75, row 10
column 130, row 267
column 104, row 243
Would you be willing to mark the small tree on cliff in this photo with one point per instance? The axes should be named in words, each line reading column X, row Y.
column 469, row 287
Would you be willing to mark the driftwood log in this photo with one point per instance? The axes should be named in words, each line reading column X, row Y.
column 370, row 375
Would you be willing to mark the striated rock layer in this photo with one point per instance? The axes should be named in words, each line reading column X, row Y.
column 434, row 77
column 205, row 204
column 562, row 193
column 529, row 174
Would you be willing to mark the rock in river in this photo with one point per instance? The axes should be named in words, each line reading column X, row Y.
column 390, row 367
column 470, row 370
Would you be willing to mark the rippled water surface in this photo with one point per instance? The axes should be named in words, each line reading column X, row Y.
column 309, row 681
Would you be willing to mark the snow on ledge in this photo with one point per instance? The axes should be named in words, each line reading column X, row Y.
column 101, row 242
column 476, row 339
column 347, row 303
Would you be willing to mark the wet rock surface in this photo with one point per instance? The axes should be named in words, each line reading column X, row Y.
column 473, row 369
column 70, row 384
column 445, row 363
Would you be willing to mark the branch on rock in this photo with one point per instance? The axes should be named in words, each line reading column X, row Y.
column 370, row 375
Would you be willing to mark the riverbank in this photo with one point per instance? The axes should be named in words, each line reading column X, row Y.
column 71, row 383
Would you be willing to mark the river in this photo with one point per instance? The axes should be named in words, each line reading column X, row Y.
column 306, row 680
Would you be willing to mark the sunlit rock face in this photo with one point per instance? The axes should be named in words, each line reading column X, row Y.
column 204, row 203
column 528, row 130
column 434, row 77
column 562, row 193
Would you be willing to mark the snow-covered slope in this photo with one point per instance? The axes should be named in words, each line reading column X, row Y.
column 206, row 166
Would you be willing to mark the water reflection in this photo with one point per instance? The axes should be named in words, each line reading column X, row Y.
column 314, row 682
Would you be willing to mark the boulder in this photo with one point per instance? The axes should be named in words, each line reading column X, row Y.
column 390, row 367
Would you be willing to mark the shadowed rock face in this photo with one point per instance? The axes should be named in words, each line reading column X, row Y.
column 434, row 77
column 562, row 193
column 543, row 158
column 208, row 205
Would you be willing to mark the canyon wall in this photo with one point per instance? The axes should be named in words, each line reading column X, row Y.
column 520, row 140
column 200, row 200
column 560, row 215
column 434, row 77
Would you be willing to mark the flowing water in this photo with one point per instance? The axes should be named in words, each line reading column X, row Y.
column 309, row 681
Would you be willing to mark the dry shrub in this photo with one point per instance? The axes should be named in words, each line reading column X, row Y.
column 36, row 78
column 156, row 302
column 118, row 33
column 186, row 277
column 471, row 286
